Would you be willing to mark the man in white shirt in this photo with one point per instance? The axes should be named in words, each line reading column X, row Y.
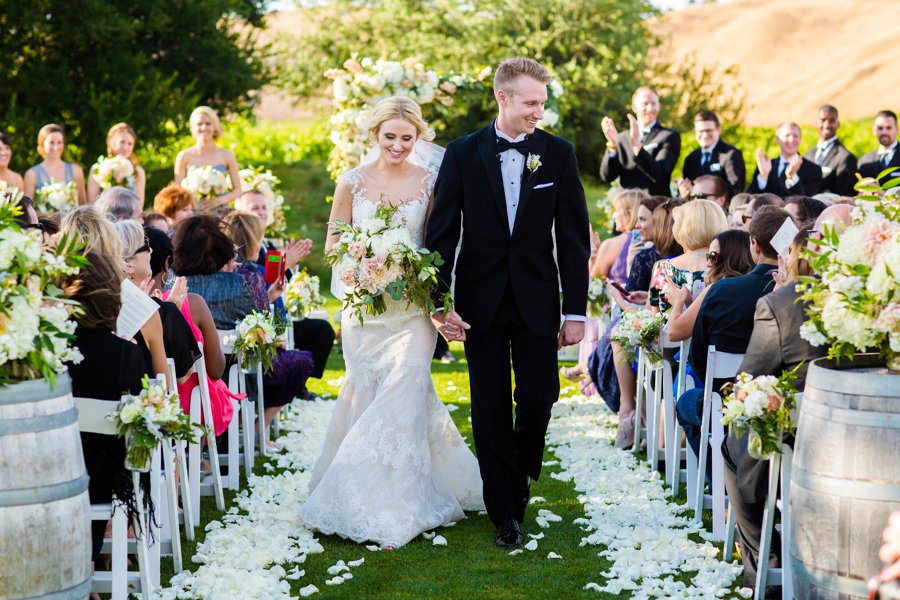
column 886, row 156
column 789, row 174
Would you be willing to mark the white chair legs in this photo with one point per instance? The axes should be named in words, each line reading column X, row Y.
column 779, row 471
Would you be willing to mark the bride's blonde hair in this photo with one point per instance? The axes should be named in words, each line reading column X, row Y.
column 399, row 107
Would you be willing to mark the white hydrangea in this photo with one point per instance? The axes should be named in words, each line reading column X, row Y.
column 810, row 333
column 845, row 324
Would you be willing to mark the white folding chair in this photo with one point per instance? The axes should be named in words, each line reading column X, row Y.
column 237, row 383
column 181, row 466
column 167, row 515
column 119, row 581
column 719, row 365
column 674, row 451
column 200, row 401
column 658, row 391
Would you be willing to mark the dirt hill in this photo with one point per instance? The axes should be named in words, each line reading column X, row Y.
column 796, row 55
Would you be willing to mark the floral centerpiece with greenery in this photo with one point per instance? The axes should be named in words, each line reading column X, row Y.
column 257, row 339
column 302, row 295
column 639, row 330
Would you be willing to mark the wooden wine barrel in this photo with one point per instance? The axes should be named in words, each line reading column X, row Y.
column 45, row 539
column 845, row 481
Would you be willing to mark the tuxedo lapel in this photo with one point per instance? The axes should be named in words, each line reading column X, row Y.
column 529, row 179
column 487, row 147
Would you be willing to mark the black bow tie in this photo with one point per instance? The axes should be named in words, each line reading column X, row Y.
column 504, row 144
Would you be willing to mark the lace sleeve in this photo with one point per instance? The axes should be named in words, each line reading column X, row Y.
column 352, row 179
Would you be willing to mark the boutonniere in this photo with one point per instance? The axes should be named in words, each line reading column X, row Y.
column 533, row 162
column 715, row 167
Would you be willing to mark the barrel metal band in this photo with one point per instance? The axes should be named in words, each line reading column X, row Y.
column 75, row 592
column 830, row 581
column 38, row 389
column 44, row 494
column 843, row 488
column 848, row 416
column 39, row 423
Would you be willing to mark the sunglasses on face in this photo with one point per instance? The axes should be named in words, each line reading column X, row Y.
column 144, row 248
column 699, row 196
column 712, row 257
column 746, row 218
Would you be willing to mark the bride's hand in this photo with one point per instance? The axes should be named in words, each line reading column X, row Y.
column 450, row 325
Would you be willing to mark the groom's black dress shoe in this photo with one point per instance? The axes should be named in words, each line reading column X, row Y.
column 508, row 534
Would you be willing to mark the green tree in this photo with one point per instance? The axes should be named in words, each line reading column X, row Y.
column 89, row 64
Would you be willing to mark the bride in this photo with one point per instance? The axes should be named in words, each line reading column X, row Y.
column 393, row 464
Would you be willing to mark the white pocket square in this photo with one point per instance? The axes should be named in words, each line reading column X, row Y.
column 543, row 185
column 650, row 147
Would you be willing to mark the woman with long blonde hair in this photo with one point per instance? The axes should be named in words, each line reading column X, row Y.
column 207, row 129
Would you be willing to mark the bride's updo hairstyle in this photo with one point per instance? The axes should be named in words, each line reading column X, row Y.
column 399, row 107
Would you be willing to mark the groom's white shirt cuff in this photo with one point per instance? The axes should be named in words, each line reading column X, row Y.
column 581, row 318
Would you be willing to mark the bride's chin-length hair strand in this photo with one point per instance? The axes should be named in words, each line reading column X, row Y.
column 399, row 107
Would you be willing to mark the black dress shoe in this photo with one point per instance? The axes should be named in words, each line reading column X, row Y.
column 523, row 501
column 508, row 534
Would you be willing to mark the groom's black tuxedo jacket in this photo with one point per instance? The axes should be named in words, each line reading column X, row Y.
column 469, row 192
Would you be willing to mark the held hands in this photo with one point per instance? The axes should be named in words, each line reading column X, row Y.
column 763, row 163
column 570, row 333
column 609, row 130
column 295, row 251
column 793, row 166
column 450, row 325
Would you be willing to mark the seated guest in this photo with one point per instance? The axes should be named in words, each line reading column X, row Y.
column 886, row 156
column 736, row 209
column 610, row 257
column 804, row 210
column 639, row 271
column 206, row 257
column 175, row 203
column 253, row 201
column 725, row 317
column 789, row 173
column 713, row 157
column 710, row 187
column 121, row 203
column 111, row 367
column 757, row 201
column 156, row 220
column 775, row 346
column 837, row 163
column 644, row 155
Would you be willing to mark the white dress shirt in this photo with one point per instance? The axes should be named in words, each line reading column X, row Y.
column 781, row 167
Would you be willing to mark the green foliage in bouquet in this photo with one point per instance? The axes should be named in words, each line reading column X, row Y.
column 763, row 407
column 257, row 339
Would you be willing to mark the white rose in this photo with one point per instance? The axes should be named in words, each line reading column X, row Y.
column 755, row 404
column 130, row 413
column 811, row 334
column 550, row 119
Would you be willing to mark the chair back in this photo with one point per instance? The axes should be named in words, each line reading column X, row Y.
column 721, row 365
column 226, row 339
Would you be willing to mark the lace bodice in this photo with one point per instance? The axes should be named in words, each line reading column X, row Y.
column 411, row 212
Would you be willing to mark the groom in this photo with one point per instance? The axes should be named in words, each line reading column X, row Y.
column 511, row 186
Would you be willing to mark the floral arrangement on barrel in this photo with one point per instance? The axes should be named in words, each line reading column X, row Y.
column 56, row 196
column 302, row 295
column 854, row 305
column 257, row 340
column 206, row 182
column 598, row 298
column 362, row 82
column 36, row 325
column 378, row 259
column 112, row 171
column 639, row 330
column 266, row 183
column 762, row 407
column 144, row 420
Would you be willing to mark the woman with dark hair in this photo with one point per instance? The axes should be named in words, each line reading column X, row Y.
column 7, row 175
column 803, row 209
column 111, row 367
column 206, row 257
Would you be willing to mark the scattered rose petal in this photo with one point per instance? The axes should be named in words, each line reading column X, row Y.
column 309, row 591
column 451, row 407
column 335, row 581
column 516, row 551
column 542, row 522
column 532, row 545
column 356, row 563
column 538, row 536
column 537, row 500
column 428, row 535
column 439, row 540
column 372, row 548
column 553, row 555
column 450, row 524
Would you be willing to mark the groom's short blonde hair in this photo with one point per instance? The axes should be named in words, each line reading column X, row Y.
column 512, row 69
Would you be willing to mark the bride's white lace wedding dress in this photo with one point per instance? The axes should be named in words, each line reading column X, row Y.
column 393, row 464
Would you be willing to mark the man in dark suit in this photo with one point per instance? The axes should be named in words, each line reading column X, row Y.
column 789, row 174
column 725, row 318
column 837, row 163
column 775, row 346
column 644, row 155
column 511, row 187
column 713, row 157
column 886, row 156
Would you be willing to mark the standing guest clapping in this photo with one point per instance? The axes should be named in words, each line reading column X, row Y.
column 51, row 145
column 6, row 174
column 713, row 157
column 206, row 129
column 644, row 155
column 837, row 163
column 120, row 141
column 789, row 173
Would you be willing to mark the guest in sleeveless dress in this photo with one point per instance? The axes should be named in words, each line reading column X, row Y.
column 206, row 129
column 51, row 143
column 120, row 141
column 7, row 175
column 206, row 257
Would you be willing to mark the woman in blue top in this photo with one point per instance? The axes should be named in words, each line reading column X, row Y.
column 206, row 129
column 51, row 142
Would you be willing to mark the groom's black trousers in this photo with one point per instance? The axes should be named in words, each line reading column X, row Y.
column 510, row 451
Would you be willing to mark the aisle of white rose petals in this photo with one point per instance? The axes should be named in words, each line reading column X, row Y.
column 642, row 532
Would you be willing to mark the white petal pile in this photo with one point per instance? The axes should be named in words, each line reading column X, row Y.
column 243, row 553
column 629, row 514
column 439, row 541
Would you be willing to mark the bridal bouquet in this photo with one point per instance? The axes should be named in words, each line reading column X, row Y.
column 206, row 182
column 266, row 183
column 854, row 302
column 639, row 330
column 598, row 299
column 302, row 295
column 115, row 170
column 56, row 196
column 378, row 258
column 761, row 406
column 36, row 328
column 8, row 191
column 147, row 418
column 257, row 340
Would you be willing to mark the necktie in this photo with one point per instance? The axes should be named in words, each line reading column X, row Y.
column 821, row 151
column 885, row 156
column 704, row 158
column 644, row 134
column 504, row 144
column 782, row 167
